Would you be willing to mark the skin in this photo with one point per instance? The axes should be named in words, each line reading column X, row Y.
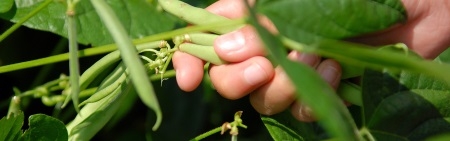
column 268, row 87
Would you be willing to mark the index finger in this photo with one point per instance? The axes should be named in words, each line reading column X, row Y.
column 229, row 8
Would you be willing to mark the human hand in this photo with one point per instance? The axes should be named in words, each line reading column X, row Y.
column 426, row 31
column 270, row 89
column 249, row 72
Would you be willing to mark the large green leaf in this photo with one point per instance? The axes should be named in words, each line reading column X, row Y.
column 284, row 127
column 10, row 127
column 139, row 17
column 6, row 5
column 411, row 105
column 309, row 20
column 43, row 127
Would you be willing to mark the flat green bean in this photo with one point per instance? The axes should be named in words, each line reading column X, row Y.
column 194, row 15
column 108, row 85
column 201, row 38
column 206, row 53
column 113, row 76
column 350, row 92
column 97, row 114
column 130, row 57
column 89, row 75
column 74, row 66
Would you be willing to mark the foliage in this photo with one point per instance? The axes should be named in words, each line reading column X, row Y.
column 41, row 127
column 408, row 102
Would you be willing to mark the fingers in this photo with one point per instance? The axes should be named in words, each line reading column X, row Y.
column 189, row 70
column 234, row 81
column 229, row 8
column 278, row 94
column 424, row 32
column 239, row 45
column 330, row 71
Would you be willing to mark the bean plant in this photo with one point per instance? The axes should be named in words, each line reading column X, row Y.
column 397, row 95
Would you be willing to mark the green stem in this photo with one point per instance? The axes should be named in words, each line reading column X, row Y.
column 24, row 19
column 129, row 57
column 207, row 134
column 234, row 138
column 167, row 74
column 111, row 47
column 56, row 58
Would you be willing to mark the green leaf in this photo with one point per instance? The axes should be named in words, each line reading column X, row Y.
column 10, row 127
column 43, row 127
column 139, row 17
column 6, row 5
column 384, row 136
column 284, row 127
column 442, row 137
column 307, row 21
column 311, row 89
column 444, row 57
column 410, row 105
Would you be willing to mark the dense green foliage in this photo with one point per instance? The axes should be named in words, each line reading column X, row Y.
column 409, row 100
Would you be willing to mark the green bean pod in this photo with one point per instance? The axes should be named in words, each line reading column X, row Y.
column 90, row 74
column 108, row 85
column 196, row 16
column 102, row 93
column 94, row 116
column 350, row 92
column 201, row 38
column 206, row 53
column 14, row 106
column 112, row 77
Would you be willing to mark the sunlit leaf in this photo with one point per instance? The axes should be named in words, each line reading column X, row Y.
column 6, row 5
column 410, row 105
column 307, row 21
column 43, row 127
column 139, row 17
column 10, row 127
column 284, row 127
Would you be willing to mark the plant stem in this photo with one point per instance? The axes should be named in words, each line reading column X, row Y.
column 167, row 74
column 24, row 19
column 111, row 47
column 56, row 58
column 130, row 58
column 233, row 138
column 206, row 134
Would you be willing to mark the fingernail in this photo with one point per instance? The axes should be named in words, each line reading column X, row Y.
column 302, row 112
column 329, row 73
column 231, row 42
column 310, row 59
column 254, row 74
